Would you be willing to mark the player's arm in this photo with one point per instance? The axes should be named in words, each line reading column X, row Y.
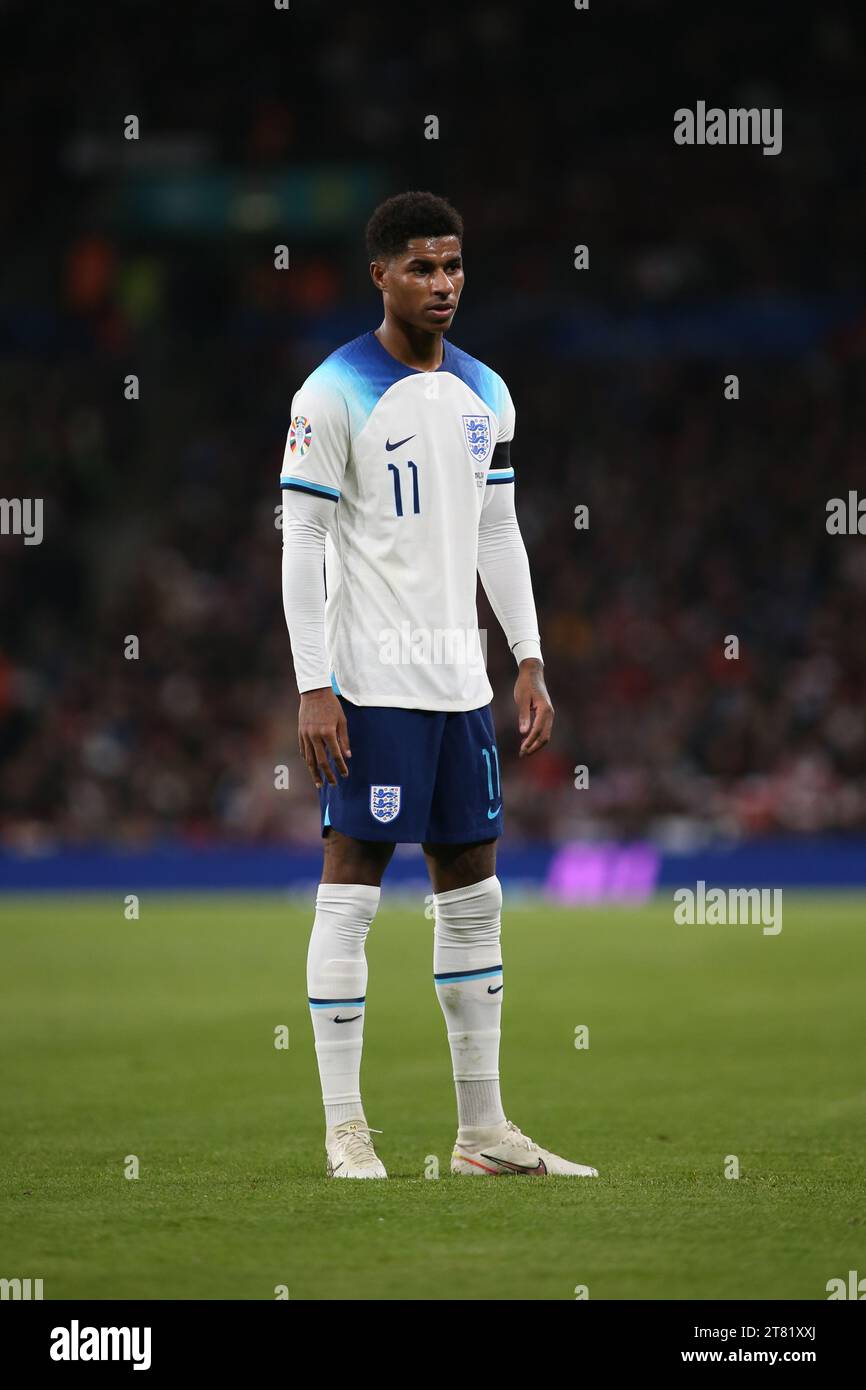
column 504, row 569
column 313, row 468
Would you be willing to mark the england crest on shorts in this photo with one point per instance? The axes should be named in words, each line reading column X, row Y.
column 477, row 431
column 384, row 803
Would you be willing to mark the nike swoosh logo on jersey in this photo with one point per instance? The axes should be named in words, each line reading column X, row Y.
column 491, row 990
column 346, row 1020
column 389, row 446
column 491, row 814
column 539, row 1169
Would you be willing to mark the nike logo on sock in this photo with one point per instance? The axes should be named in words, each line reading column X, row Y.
column 491, row 990
column 337, row 1018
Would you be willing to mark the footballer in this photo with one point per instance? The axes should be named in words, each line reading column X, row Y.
column 398, row 489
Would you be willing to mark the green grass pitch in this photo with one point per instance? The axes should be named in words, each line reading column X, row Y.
column 155, row 1038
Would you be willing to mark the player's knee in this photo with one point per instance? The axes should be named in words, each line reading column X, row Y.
column 348, row 860
column 470, row 916
column 344, row 914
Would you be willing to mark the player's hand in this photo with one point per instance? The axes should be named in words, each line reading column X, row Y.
column 534, row 710
column 322, row 729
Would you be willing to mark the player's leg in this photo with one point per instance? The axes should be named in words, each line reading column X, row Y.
column 460, row 850
column 467, row 972
column 346, row 903
column 457, row 866
column 467, row 968
column 467, row 956
column 383, row 801
column 347, row 860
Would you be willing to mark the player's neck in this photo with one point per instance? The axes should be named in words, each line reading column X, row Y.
column 414, row 347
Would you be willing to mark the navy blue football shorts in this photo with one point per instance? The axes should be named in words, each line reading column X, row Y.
column 417, row 775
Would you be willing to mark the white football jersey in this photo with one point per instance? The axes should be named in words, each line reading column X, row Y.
column 406, row 456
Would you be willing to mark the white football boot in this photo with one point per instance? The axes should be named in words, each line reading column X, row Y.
column 350, row 1151
column 504, row 1150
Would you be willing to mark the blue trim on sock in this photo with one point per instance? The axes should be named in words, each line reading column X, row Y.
column 333, row 1003
column 467, row 974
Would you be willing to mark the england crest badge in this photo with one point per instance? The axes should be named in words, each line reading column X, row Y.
column 384, row 803
column 477, row 431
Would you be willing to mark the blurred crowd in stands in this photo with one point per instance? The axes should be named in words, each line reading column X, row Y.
column 707, row 515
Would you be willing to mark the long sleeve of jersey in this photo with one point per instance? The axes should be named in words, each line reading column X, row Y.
column 504, row 566
column 311, row 476
column 305, row 525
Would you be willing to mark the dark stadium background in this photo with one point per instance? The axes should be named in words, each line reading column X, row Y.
column 707, row 516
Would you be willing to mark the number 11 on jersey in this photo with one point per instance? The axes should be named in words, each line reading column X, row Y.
column 398, row 492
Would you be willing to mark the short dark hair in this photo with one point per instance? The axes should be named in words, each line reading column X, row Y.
column 396, row 221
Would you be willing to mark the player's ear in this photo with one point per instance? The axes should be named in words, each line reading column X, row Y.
column 378, row 270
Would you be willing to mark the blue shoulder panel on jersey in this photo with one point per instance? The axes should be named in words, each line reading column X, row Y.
column 363, row 370
column 482, row 380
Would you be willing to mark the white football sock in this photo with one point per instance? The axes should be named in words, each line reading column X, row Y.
column 337, row 987
column 467, row 968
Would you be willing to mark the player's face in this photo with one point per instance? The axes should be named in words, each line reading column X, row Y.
column 423, row 285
